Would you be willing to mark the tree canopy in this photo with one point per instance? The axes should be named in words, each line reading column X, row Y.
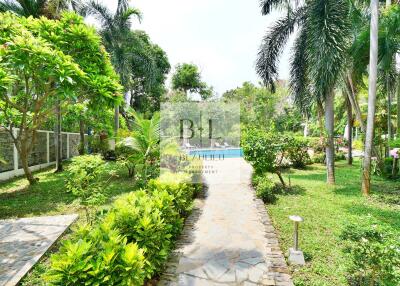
column 37, row 69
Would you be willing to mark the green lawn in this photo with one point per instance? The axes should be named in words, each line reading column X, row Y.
column 326, row 210
column 49, row 197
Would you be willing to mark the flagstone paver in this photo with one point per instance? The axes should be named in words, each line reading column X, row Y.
column 23, row 241
column 228, row 239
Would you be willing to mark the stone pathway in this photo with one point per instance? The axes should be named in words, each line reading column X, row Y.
column 228, row 239
column 24, row 241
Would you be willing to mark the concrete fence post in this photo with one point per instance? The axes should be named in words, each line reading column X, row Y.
column 48, row 147
column 15, row 152
column 67, row 145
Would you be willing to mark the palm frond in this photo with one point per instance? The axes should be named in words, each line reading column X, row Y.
column 101, row 13
column 328, row 33
column 273, row 45
column 268, row 5
column 24, row 8
column 299, row 82
column 11, row 6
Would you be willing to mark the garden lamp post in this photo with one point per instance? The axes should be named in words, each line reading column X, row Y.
column 296, row 256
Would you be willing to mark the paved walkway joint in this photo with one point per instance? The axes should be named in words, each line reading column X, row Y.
column 23, row 241
column 228, row 239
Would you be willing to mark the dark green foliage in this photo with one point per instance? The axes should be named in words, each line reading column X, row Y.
column 297, row 152
column 98, row 145
column 265, row 188
column 319, row 158
column 340, row 155
column 187, row 78
column 375, row 255
column 83, row 180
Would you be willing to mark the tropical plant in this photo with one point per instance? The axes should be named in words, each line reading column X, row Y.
column 141, row 148
column 187, row 78
column 265, row 188
column 297, row 151
column 374, row 253
column 265, row 152
column 51, row 9
column 83, row 176
column 52, row 73
column 142, row 66
column 97, row 256
column 317, row 59
column 37, row 8
column 149, row 68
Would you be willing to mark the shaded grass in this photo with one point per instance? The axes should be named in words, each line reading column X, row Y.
column 326, row 210
column 49, row 196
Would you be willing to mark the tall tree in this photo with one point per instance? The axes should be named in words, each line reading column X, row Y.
column 50, row 9
column 373, row 69
column 35, row 73
column 187, row 78
column 115, row 28
column 149, row 68
column 317, row 60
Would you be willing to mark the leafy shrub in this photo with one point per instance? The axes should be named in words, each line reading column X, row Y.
column 99, row 256
column 339, row 155
column 317, row 144
column 179, row 186
column 265, row 152
column 265, row 190
column 395, row 143
column 139, row 217
column 358, row 144
column 375, row 255
column 98, row 145
column 83, row 180
column 297, row 151
column 144, row 223
column 319, row 158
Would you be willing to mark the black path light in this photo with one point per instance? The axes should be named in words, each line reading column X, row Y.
column 296, row 256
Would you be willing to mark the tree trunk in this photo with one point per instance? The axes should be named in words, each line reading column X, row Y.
column 116, row 121
column 330, row 146
column 398, row 107
column 354, row 103
column 320, row 109
column 23, row 155
column 82, row 137
column 349, row 132
column 281, row 179
column 58, row 138
column 389, row 116
column 373, row 69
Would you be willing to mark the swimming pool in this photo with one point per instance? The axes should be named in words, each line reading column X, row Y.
column 218, row 153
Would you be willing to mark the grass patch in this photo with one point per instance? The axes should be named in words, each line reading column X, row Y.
column 49, row 195
column 326, row 210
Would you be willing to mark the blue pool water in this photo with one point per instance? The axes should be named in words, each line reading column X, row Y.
column 222, row 153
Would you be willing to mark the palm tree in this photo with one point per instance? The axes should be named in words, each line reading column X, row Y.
column 142, row 147
column 373, row 68
column 115, row 28
column 317, row 56
column 37, row 8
